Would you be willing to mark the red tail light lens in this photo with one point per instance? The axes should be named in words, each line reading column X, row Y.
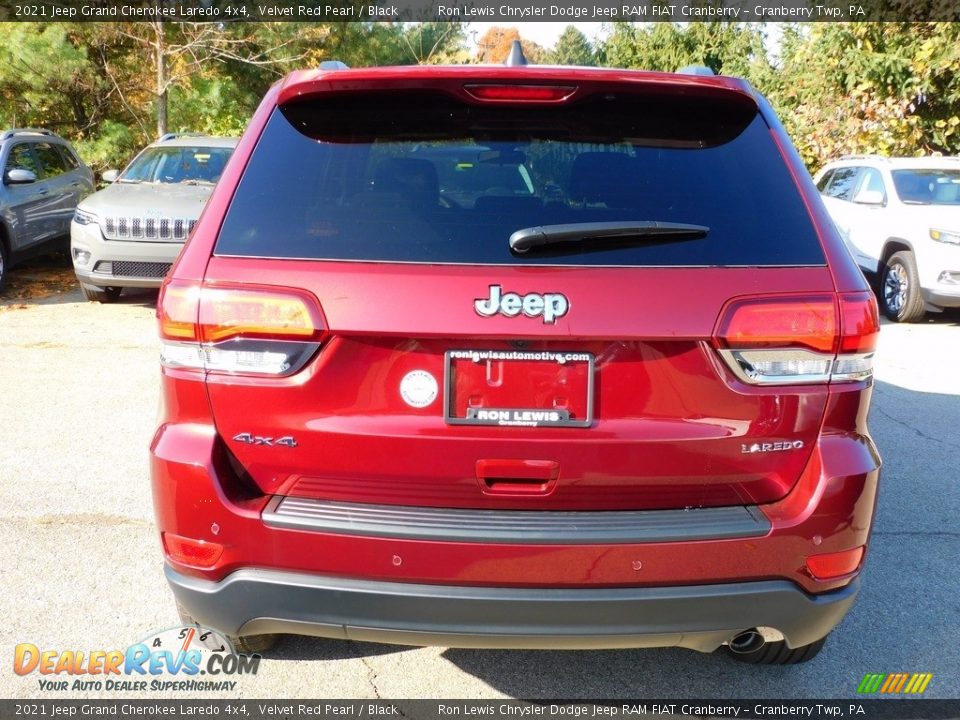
column 187, row 551
column 521, row 93
column 784, row 340
column 833, row 565
column 246, row 330
column 775, row 323
column 859, row 322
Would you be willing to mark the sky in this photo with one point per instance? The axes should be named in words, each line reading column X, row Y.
column 544, row 34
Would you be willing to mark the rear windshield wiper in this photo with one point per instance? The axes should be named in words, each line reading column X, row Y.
column 532, row 237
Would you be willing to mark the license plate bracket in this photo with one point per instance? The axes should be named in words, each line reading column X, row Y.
column 519, row 388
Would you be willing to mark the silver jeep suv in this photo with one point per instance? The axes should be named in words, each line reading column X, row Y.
column 128, row 234
column 43, row 180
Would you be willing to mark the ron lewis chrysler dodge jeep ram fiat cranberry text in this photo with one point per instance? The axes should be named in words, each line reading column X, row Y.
column 516, row 357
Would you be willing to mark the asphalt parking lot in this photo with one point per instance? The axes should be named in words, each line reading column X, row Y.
column 81, row 565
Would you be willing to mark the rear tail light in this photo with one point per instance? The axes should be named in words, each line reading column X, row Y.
column 187, row 551
column 833, row 565
column 248, row 330
column 521, row 93
column 789, row 340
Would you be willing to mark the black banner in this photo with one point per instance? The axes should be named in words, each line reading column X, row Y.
column 888, row 709
column 513, row 11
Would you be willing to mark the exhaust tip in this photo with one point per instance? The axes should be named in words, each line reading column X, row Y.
column 748, row 641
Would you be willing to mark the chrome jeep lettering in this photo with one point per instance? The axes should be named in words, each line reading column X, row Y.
column 549, row 306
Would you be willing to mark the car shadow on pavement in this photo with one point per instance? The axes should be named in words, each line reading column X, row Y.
column 300, row 647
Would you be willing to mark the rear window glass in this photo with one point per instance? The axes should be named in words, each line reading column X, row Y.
column 422, row 177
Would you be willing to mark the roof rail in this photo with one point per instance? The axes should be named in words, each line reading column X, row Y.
column 866, row 156
column 26, row 131
column 334, row 65
column 701, row 70
column 516, row 58
column 175, row 135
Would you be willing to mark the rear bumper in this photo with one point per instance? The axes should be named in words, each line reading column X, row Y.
column 698, row 617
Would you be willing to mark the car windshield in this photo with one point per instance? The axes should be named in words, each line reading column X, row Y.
column 928, row 186
column 192, row 164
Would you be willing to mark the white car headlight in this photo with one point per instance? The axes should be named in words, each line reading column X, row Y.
column 83, row 217
column 945, row 236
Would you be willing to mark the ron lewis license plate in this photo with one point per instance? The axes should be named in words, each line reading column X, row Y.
column 519, row 388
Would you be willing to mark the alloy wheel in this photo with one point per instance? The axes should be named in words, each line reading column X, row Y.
column 895, row 285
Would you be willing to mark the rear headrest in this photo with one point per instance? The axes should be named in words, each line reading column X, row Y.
column 415, row 180
column 598, row 177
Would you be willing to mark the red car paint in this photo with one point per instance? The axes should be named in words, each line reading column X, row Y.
column 671, row 421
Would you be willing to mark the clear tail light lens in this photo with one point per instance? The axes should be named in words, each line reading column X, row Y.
column 249, row 330
column 792, row 340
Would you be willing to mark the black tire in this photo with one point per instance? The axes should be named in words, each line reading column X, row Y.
column 900, row 289
column 4, row 264
column 777, row 653
column 246, row 644
column 100, row 294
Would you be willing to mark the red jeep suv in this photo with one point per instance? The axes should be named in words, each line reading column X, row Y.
column 535, row 357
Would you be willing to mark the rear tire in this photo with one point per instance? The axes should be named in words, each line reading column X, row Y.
column 246, row 644
column 777, row 653
column 4, row 264
column 100, row 294
column 900, row 289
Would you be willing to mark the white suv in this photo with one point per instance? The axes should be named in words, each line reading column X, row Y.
column 900, row 219
column 129, row 233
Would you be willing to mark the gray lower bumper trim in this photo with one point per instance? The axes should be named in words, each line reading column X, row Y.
column 253, row 601
column 515, row 526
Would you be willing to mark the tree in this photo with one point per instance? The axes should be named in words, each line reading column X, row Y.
column 572, row 48
column 887, row 88
column 727, row 48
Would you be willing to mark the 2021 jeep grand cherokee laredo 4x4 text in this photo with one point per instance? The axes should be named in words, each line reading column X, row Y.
column 516, row 357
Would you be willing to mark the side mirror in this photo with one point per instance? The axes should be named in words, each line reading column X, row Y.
column 19, row 176
column 870, row 197
column 110, row 176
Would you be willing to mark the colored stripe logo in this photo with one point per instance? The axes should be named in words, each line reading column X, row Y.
column 894, row 683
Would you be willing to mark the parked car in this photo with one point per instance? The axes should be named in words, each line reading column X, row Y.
column 129, row 234
column 900, row 219
column 621, row 405
column 43, row 180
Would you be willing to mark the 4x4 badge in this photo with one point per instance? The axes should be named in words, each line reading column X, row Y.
column 285, row 441
column 549, row 306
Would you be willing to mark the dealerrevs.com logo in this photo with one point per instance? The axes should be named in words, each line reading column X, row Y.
column 186, row 659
